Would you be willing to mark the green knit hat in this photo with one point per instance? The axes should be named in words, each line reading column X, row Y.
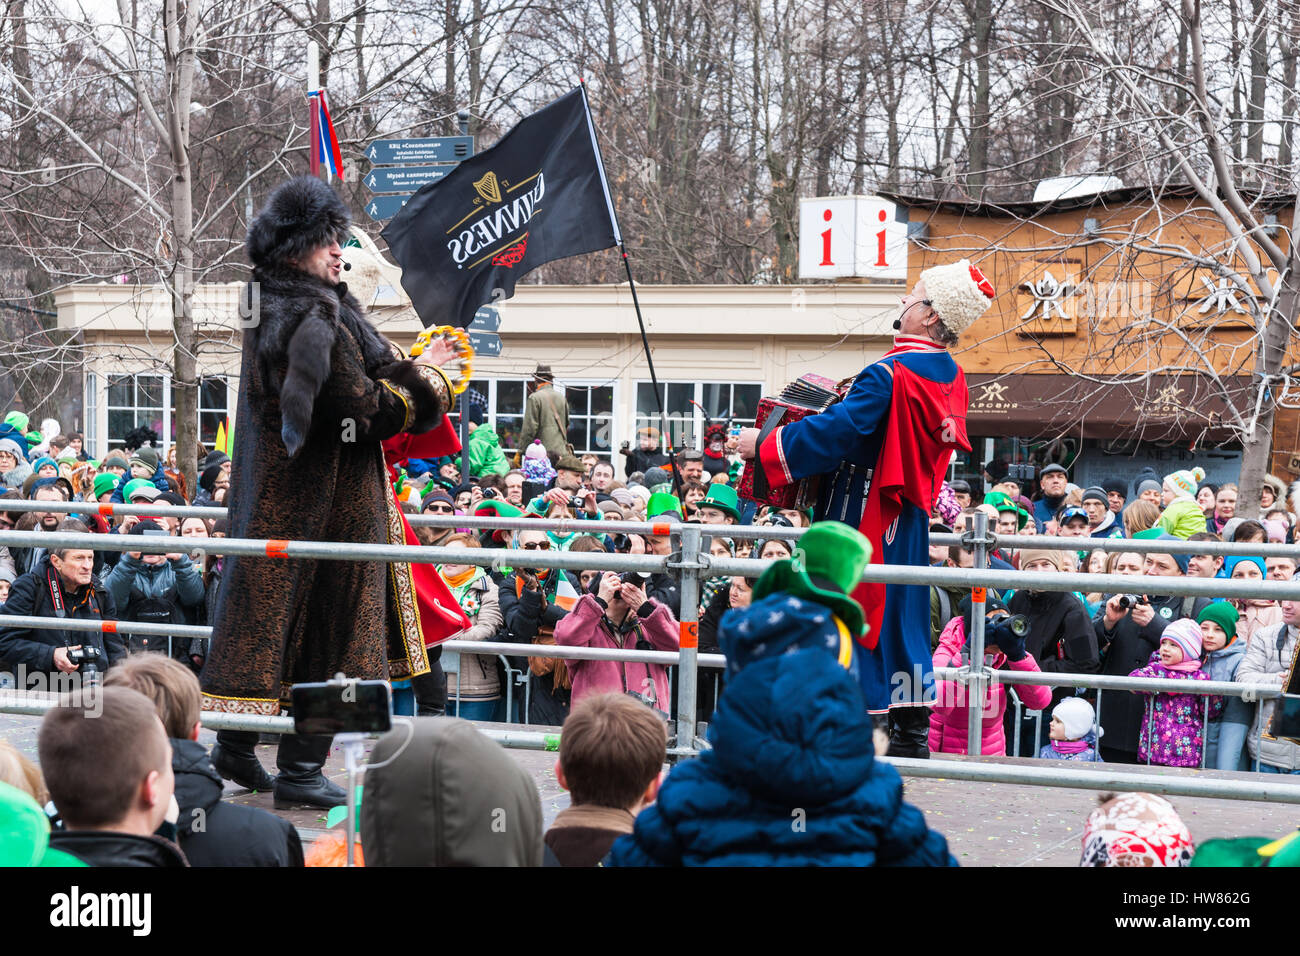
column 104, row 483
column 1223, row 614
column 827, row 565
column 19, row 420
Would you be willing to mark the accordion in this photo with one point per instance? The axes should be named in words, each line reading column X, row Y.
column 807, row 395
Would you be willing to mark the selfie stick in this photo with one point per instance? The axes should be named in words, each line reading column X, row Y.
column 353, row 750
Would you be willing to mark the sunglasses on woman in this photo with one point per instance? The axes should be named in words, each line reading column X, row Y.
column 537, row 545
column 441, row 509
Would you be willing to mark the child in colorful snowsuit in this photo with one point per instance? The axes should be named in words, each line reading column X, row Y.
column 1074, row 732
column 1172, row 729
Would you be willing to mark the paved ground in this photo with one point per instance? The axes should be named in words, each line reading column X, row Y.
column 986, row 824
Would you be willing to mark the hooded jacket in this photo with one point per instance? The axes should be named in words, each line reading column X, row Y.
column 792, row 778
column 1110, row 527
column 1173, row 731
column 175, row 582
column 212, row 832
column 485, row 455
column 1182, row 517
column 448, row 796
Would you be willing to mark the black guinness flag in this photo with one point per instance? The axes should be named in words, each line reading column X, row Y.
column 538, row 195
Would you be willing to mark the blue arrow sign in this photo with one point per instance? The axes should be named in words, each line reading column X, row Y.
column 485, row 343
column 380, row 208
column 486, row 319
column 403, row 179
column 445, row 149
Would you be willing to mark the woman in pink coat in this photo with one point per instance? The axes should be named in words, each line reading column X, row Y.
column 948, row 717
column 619, row 615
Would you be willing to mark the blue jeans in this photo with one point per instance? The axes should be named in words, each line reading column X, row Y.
column 1269, row 768
column 491, row 710
column 1225, row 745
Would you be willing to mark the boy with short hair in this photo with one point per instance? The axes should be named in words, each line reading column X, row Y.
column 107, row 765
column 612, row 750
column 211, row 832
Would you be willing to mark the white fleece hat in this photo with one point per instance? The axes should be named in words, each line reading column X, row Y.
column 1076, row 713
column 959, row 292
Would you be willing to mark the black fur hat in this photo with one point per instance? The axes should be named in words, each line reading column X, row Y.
column 301, row 215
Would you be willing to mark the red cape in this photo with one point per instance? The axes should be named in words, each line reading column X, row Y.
column 440, row 614
column 925, row 424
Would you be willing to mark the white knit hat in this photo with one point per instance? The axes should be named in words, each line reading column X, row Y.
column 1077, row 716
column 959, row 292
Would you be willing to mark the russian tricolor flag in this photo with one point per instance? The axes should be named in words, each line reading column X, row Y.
column 324, row 143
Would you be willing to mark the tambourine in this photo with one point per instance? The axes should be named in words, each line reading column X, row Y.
column 459, row 340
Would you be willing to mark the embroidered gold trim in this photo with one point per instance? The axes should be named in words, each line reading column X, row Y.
column 416, row 661
column 408, row 401
column 441, row 385
column 241, row 705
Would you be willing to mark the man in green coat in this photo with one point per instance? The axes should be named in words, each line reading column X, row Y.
column 546, row 416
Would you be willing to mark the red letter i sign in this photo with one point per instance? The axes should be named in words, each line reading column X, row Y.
column 880, row 242
column 826, row 242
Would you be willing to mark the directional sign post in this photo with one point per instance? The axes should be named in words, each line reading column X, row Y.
column 486, row 319
column 403, row 179
column 445, row 149
column 485, row 343
column 380, row 208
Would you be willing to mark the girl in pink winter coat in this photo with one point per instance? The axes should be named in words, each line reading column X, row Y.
column 948, row 717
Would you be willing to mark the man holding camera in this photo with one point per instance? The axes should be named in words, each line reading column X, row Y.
column 1128, row 629
column 63, row 584
column 616, row 613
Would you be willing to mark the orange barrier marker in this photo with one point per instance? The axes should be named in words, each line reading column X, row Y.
column 690, row 634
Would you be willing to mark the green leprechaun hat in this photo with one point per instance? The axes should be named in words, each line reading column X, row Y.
column 662, row 504
column 827, row 565
column 723, row 497
column 497, row 508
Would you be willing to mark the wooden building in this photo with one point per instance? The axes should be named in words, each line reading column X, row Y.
column 1111, row 345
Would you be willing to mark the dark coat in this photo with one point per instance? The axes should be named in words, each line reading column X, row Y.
column 526, row 615
column 29, row 596
column 320, row 389
column 95, row 848
column 1060, row 637
column 792, row 779
column 1124, row 650
column 214, row 833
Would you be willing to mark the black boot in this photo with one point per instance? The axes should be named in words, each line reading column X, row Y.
column 431, row 689
column 234, row 758
column 909, row 732
column 301, row 782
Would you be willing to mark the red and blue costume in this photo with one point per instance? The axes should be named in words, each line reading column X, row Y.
column 882, row 453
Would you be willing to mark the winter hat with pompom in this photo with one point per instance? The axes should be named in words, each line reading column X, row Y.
column 1186, row 482
column 1077, row 716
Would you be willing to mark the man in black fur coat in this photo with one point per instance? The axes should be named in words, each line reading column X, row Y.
column 319, row 391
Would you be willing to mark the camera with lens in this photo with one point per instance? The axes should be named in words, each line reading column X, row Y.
column 1004, row 627
column 637, row 578
column 87, row 660
column 1127, row 601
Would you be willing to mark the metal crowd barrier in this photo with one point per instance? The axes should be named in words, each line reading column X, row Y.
column 689, row 562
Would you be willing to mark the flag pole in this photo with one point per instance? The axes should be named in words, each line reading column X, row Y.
column 313, row 84
column 636, row 304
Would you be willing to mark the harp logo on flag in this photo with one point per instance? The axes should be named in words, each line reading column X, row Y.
column 488, row 187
